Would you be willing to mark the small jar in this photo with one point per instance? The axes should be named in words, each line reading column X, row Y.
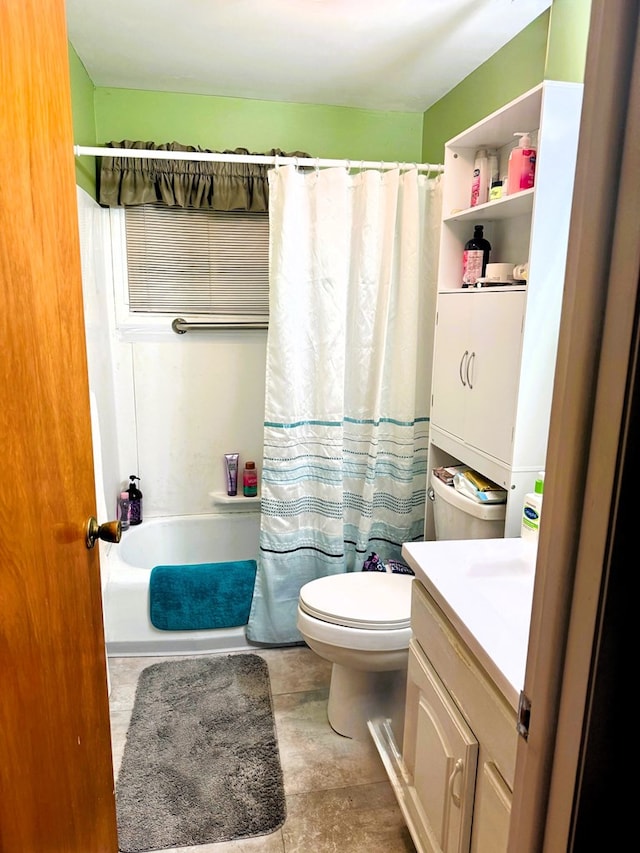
column 250, row 480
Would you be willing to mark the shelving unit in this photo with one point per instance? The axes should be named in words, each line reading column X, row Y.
column 511, row 352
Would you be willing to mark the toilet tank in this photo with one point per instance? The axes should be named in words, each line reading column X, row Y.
column 458, row 517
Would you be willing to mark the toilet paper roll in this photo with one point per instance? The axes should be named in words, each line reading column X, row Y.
column 521, row 272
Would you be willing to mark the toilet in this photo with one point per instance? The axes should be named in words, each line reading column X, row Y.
column 360, row 622
column 455, row 516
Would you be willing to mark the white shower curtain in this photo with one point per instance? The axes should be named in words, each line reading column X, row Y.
column 352, row 296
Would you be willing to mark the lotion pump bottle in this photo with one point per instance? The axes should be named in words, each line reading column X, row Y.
column 522, row 165
column 532, row 510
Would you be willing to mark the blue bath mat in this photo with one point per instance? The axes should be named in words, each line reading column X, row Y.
column 201, row 596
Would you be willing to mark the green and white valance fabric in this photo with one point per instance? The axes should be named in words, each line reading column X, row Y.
column 199, row 184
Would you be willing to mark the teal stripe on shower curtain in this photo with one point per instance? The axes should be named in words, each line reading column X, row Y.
column 347, row 384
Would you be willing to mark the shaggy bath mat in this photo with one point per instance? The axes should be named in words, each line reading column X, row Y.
column 200, row 762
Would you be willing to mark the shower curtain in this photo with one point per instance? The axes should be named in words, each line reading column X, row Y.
column 352, row 297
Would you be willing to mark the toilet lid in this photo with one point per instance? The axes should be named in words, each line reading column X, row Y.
column 373, row 600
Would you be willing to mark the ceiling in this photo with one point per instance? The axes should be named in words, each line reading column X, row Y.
column 373, row 54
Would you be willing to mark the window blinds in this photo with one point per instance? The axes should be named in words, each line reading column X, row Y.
column 189, row 261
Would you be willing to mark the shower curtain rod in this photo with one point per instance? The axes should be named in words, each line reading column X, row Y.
column 316, row 162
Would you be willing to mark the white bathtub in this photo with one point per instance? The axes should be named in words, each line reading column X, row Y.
column 166, row 541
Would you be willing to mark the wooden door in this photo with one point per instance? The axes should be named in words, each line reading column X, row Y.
column 56, row 778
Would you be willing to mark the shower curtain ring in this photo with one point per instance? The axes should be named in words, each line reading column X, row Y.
column 275, row 163
column 317, row 166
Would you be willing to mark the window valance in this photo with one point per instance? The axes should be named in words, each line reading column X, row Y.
column 185, row 183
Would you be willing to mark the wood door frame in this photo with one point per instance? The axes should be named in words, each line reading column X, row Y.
column 572, row 673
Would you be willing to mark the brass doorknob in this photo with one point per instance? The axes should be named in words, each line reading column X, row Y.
column 110, row 531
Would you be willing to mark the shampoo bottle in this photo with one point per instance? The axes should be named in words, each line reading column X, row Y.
column 135, row 501
column 532, row 510
column 522, row 165
column 481, row 178
column 475, row 257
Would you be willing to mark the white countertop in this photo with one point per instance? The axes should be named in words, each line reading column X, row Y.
column 485, row 588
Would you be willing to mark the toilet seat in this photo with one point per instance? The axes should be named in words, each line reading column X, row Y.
column 371, row 601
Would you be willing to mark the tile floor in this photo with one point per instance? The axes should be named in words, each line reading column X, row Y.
column 339, row 799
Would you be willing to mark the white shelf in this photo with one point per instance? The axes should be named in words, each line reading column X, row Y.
column 239, row 501
column 517, row 204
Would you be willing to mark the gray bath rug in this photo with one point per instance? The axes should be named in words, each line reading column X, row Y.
column 200, row 762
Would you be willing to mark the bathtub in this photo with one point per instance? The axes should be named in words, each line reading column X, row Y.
column 126, row 568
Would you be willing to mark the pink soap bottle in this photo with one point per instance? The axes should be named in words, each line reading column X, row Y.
column 522, row 165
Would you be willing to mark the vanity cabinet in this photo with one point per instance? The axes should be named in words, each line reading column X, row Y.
column 495, row 348
column 459, row 744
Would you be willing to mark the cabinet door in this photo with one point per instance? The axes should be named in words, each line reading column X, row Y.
column 443, row 761
column 495, row 346
column 450, row 360
column 476, row 367
column 492, row 812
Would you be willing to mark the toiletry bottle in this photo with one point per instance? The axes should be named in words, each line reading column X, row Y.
column 475, row 257
column 250, row 480
column 522, row 165
column 494, row 168
column 481, row 178
column 135, row 500
column 532, row 510
column 231, row 461
column 123, row 510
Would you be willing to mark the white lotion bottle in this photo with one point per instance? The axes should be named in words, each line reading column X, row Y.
column 532, row 510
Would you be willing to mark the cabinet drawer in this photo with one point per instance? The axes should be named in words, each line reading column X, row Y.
column 483, row 706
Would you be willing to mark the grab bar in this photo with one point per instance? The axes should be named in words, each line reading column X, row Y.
column 181, row 326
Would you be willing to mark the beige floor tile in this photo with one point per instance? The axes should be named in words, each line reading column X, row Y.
column 338, row 797
column 361, row 819
column 294, row 670
column 312, row 755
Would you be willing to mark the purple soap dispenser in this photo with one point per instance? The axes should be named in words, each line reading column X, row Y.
column 135, row 501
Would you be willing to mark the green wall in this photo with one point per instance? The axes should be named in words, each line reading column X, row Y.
column 567, row 46
column 516, row 68
column 84, row 129
column 553, row 47
column 223, row 123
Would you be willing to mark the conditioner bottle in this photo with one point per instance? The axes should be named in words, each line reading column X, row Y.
column 481, row 178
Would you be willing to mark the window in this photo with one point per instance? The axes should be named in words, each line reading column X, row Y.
column 183, row 261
